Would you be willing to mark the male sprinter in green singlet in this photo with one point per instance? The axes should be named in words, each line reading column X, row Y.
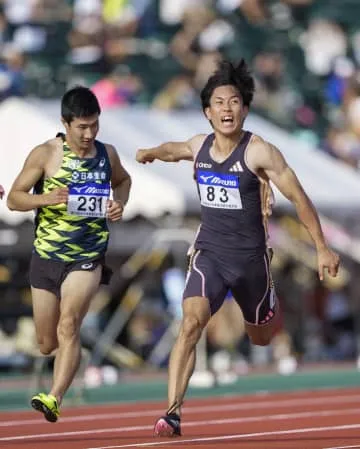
column 72, row 176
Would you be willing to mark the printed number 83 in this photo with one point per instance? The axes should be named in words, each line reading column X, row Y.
column 211, row 194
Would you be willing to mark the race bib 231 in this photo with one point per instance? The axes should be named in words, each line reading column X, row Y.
column 88, row 199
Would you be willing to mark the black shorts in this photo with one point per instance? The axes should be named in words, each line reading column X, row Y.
column 247, row 276
column 49, row 275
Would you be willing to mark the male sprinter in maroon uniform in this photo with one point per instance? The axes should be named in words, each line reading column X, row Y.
column 230, row 251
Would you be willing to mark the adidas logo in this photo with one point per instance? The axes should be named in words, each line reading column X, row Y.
column 236, row 167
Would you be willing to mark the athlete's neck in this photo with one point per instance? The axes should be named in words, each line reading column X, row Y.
column 81, row 152
column 224, row 145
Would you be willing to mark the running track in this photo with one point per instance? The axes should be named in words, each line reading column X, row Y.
column 326, row 419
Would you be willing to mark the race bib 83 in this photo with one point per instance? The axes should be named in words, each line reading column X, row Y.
column 219, row 190
column 88, row 199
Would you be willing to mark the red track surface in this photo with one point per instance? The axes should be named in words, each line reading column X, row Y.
column 302, row 420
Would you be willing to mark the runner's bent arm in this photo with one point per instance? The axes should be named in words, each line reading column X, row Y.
column 274, row 165
column 120, row 178
column 33, row 170
column 172, row 151
column 272, row 162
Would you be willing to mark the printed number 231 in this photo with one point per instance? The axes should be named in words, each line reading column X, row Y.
column 91, row 203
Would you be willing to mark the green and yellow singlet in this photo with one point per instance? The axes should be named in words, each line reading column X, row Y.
column 77, row 230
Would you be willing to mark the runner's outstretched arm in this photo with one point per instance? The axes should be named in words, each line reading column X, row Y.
column 172, row 151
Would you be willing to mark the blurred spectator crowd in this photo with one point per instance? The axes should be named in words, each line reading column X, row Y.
column 305, row 55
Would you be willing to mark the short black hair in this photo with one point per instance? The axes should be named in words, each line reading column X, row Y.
column 227, row 74
column 79, row 102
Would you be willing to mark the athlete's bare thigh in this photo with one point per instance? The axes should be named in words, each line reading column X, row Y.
column 46, row 311
column 254, row 291
column 77, row 290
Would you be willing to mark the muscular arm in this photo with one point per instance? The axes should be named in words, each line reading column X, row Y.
column 275, row 167
column 267, row 160
column 19, row 197
column 120, row 178
column 172, row 151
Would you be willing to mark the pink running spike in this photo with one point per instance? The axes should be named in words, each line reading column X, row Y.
column 163, row 429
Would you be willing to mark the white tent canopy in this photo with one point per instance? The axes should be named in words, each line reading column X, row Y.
column 328, row 182
column 23, row 126
column 163, row 187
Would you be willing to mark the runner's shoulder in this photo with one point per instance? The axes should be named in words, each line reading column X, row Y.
column 258, row 149
column 110, row 149
column 45, row 150
column 196, row 142
column 257, row 141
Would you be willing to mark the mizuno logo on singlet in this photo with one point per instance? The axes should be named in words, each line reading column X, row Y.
column 91, row 189
column 216, row 179
column 223, row 182
column 205, row 178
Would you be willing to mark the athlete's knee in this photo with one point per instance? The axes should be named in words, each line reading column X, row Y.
column 263, row 335
column 260, row 339
column 47, row 345
column 68, row 328
column 191, row 329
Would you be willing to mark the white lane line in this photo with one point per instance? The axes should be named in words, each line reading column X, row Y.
column 345, row 399
column 249, row 419
column 342, row 447
column 235, row 437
